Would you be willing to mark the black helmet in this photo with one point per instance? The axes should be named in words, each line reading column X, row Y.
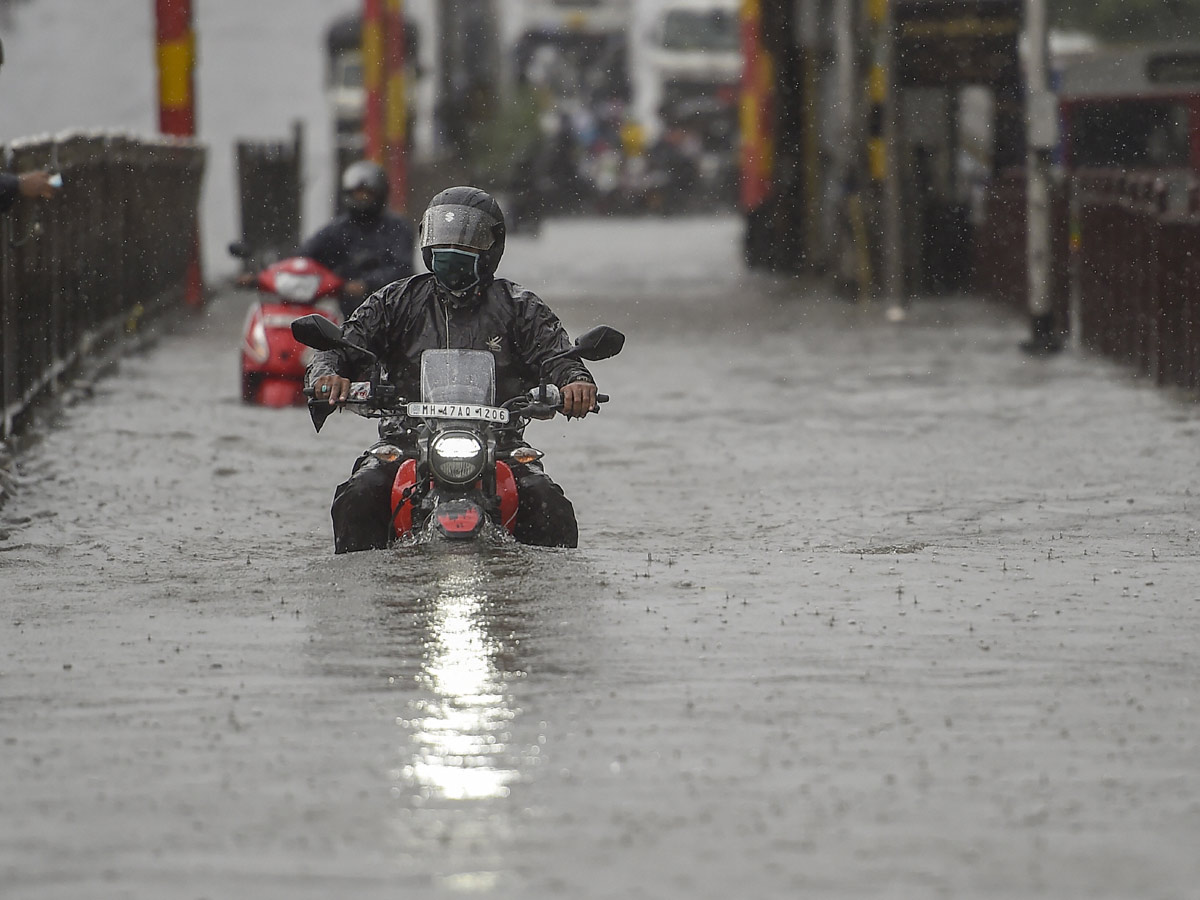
column 465, row 217
column 368, row 176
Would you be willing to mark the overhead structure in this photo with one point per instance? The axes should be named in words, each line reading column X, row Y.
column 868, row 127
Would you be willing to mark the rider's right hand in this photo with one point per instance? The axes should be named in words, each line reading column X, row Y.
column 332, row 388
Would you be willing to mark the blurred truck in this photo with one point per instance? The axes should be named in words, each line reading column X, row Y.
column 693, row 58
column 576, row 48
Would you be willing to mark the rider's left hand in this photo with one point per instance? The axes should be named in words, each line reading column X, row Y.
column 578, row 399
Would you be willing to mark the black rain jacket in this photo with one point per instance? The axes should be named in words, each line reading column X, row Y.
column 376, row 252
column 408, row 317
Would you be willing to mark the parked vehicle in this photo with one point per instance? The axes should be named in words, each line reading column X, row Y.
column 1134, row 107
column 456, row 444
column 694, row 59
column 272, row 361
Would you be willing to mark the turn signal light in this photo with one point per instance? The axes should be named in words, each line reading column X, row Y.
column 387, row 453
column 525, row 455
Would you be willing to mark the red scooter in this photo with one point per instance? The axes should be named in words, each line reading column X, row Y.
column 273, row 362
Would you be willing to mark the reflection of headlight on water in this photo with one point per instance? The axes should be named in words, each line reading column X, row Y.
column 461, row 730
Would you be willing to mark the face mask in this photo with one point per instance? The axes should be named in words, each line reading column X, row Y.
column 457, row 270
column 364, row 206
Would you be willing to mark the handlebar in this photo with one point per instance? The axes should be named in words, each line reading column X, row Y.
column 385, row 399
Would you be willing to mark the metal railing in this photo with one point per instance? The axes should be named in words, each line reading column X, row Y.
column 1126, row 265
column 80, row 270
column 270, row 176
column 1137, row 271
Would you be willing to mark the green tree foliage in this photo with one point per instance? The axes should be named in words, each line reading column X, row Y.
column 1130, row 20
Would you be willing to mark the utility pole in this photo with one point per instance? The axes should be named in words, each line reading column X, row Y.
column 809, row 30
column 395, row 132
column 893, row 237
column 1041, row 123
column 883, row 156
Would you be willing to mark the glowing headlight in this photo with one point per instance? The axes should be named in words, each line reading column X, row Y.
column 457, row 456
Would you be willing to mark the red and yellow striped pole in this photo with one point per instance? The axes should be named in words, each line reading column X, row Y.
column 373, row 26
column 396, row 120
column 177, row 100
column 176, row 65
column 756, row 122
column 877, row 94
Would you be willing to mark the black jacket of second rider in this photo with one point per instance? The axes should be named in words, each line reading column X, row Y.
column 404, row 319
column 377, row 252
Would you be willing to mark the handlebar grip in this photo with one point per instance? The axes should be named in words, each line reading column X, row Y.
column 602, row 398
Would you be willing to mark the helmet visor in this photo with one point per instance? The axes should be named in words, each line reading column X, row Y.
column 462, row 226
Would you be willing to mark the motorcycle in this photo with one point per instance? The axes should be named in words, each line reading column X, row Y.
column 273, row 362
column 454, row 445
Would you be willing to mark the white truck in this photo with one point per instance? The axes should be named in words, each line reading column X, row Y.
column 689, row 83
column 572, row 47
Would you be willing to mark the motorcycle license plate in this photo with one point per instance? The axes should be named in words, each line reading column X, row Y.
column 457, row 411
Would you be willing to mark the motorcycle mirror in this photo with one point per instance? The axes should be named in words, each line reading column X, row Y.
column 318, row 332
column 599, row 343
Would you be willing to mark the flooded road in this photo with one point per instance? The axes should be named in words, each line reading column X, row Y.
column 859, row 610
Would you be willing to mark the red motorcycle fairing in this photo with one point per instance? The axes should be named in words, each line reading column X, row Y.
column 506, row 488
column 406, row 478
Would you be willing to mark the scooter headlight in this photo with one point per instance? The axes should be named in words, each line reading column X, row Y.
column 457, row 457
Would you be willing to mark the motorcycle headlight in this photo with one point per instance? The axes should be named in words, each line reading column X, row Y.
column 457, row 456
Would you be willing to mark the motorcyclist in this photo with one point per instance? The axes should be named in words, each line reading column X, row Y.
column 458, row 304
column 368, row 245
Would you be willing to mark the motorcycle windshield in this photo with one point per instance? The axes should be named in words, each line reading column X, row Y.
column 458, row 376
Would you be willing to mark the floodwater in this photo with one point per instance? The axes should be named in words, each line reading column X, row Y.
column 860, row 610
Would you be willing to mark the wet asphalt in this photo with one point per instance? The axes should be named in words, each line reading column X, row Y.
column 861, row 609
